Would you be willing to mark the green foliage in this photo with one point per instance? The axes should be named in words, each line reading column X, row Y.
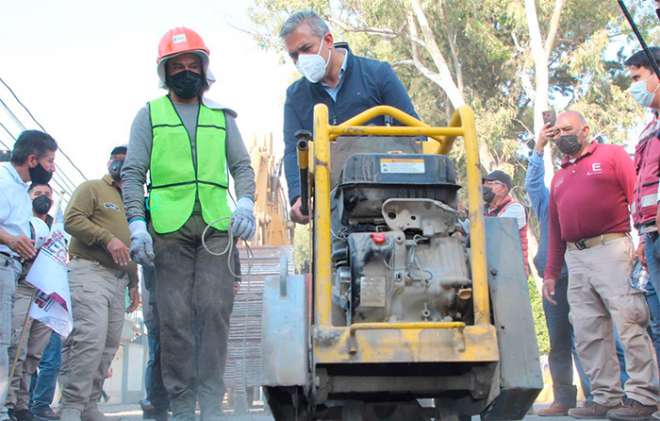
column 487, row 48
column 542, row 338
column 491, row 42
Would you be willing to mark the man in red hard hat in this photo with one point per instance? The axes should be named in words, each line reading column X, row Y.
column 189, row 145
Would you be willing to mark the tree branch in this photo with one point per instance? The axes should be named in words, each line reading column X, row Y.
column 526, row 83
column 524, row 126
column 451, row 38
column 443, row 73
column 553, row 28
column 425, row 71
column 383, row 32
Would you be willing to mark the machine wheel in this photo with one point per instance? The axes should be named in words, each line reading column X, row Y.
column 455, row 417
column 352, row 411
column 281, row 404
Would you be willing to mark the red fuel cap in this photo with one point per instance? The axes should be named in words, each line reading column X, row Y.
column 378, row 238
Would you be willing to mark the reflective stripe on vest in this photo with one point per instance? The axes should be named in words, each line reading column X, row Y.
column 176, row 183
column 647, row 164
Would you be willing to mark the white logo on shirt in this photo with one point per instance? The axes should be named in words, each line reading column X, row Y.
column 596, row 169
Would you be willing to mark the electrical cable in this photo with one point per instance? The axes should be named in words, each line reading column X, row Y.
column 61, row 180
column 11, row 91
column 66, row 182
column 9, row 148
column 8, row 132
column 5, row 145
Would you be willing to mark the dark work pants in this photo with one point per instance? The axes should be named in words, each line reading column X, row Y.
column 194, row 297
column 562, row 348
column 653, row 288
column 156, row 392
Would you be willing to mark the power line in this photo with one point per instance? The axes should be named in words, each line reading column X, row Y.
column 11, row 91
column 66, row 181
column 62, row 190
column 62, row 185
column 8, row 132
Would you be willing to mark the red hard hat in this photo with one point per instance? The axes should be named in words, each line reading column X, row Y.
column 179, row 41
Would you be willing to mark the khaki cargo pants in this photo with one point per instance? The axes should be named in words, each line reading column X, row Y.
column 600, row 297
column 37, row 337
column 97, row 301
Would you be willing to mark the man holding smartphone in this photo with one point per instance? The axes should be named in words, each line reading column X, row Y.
column 562, row 345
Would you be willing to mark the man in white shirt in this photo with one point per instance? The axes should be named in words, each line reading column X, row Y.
column 32, row 160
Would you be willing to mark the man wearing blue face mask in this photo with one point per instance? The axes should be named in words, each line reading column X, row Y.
column 646, row 213
column 332, row 75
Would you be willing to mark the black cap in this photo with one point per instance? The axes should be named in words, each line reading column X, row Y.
column 119, row 150
column 500, row 176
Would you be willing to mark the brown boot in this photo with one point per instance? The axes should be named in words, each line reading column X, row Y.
column 592, row 410
column 557, row 409
column 632, row 411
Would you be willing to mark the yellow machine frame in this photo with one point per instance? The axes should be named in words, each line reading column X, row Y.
column 402, row 342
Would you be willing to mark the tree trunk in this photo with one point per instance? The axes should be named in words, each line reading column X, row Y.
column 541, row 53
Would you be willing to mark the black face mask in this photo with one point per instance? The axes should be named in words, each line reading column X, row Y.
column 488, row 194
column 39, row 175
column 115, row 169
column 568, row 144
column 186, row 84
column 41, row 205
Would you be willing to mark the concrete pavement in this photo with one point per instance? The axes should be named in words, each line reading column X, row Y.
column 133, row 413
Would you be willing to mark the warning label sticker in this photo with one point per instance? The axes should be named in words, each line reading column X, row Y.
column 372, row 291
column 402, row 166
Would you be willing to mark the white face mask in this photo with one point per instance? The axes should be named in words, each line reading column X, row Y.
column 641, row 95
column 313, row 66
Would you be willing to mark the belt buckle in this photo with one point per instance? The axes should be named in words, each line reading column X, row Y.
column 581, row 244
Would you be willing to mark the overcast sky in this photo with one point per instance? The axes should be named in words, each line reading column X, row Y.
column 84, row 68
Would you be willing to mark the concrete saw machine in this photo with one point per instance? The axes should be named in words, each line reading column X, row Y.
column 404, row 316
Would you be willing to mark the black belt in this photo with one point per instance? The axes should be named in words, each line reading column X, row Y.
column 11, row 256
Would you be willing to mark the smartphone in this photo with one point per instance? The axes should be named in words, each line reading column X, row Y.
column 549, row 117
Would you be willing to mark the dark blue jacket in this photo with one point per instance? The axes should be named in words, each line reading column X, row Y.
column 539, row 195
column 366, row 83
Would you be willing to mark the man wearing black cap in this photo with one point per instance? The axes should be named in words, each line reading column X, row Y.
column 500, row 203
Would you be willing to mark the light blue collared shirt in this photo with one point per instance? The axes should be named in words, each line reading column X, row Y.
column 15, row 204
column 334, row 91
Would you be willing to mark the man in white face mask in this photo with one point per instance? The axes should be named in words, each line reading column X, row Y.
column 332, row 75
column 646, row 212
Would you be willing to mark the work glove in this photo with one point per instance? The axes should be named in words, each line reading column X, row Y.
column 243, row 224
column 142, row 246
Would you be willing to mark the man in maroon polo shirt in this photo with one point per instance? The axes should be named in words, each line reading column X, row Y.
column 589, row 225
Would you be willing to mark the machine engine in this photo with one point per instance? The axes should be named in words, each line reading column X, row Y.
column 398, row 252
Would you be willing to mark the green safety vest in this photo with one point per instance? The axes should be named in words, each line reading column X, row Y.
column 176, row 183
